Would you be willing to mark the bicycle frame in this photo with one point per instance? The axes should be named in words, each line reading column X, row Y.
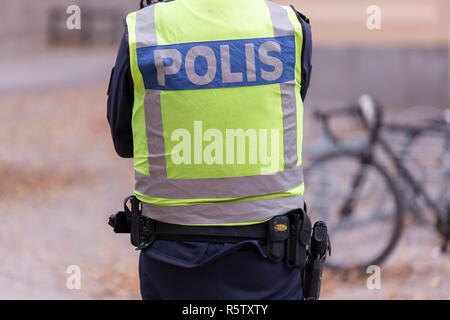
column 406, row 175
column 367, row 154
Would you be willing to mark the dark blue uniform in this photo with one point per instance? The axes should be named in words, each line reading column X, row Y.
column 198, row 270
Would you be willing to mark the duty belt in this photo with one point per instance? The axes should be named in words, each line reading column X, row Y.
column 166, row 231
column 285, row 236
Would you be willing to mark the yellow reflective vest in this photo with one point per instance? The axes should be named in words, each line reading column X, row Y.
column 217, row 114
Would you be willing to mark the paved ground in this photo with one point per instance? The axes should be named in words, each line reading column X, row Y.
column 61, row 180
column 414, row 271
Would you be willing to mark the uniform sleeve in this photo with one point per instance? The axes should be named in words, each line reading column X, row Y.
column 306, row 52
column 120, row 101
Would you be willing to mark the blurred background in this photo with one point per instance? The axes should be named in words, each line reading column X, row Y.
column 61, row 178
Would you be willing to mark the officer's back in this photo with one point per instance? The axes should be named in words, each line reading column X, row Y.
column 218, row 89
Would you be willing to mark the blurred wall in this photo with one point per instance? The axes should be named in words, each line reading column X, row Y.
column 24, row 23
column 405, row 63
column 417, row 23
column 395, row 76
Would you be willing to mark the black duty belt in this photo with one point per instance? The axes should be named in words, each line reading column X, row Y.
column 285, row 236
column 233, row 234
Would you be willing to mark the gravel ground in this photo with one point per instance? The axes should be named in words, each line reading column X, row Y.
column 61, row 180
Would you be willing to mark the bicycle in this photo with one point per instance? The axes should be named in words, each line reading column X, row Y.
column 360, row 197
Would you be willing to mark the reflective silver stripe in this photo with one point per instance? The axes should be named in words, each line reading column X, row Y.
column 155, row 186
column 282, row 26
column 155, row 137
column 289, row 124
column 146, row 36
column 145, row 27
column 223, row 212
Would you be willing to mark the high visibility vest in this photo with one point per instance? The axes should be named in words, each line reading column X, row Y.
column 217, row 115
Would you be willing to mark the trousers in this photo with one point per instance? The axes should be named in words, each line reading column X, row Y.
column 215, row 271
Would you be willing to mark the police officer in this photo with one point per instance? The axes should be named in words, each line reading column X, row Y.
column 207, row 97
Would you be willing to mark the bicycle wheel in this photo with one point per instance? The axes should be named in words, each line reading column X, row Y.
column 360, row 204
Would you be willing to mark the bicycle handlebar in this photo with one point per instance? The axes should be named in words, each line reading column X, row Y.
column 324, row 118
column 341, row 111
column 366, row 110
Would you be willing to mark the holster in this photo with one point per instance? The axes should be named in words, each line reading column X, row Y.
column 299, row 238
column 131, row 221
column 288, row 237
column 142, row 230
column 312, row 275
column 277, row 234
